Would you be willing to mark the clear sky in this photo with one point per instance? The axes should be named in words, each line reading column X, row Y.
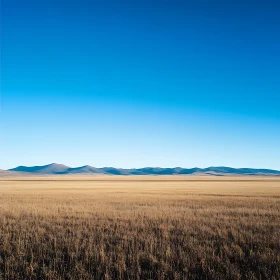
column 140, row 83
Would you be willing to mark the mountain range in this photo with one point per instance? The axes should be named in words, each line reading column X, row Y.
column 55, row 169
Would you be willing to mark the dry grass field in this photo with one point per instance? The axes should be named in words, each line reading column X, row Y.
column 140, row 228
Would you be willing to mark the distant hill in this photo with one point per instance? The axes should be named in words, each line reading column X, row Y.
column 84, row 169
column 55, row 168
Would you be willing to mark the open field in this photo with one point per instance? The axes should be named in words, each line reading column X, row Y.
column 152, row 227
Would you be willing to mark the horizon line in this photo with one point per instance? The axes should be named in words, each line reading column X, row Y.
column 124, row 168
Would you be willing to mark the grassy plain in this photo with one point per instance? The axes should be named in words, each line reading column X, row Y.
column 152, row 227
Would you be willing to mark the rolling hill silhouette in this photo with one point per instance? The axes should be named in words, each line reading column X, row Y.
column 55, row 168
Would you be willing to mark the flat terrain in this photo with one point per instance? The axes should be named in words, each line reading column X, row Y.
column 150, row 227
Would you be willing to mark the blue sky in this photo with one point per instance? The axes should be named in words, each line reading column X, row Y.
column 140, row 83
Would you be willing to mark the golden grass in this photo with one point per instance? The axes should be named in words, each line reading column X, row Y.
column 152, row 227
